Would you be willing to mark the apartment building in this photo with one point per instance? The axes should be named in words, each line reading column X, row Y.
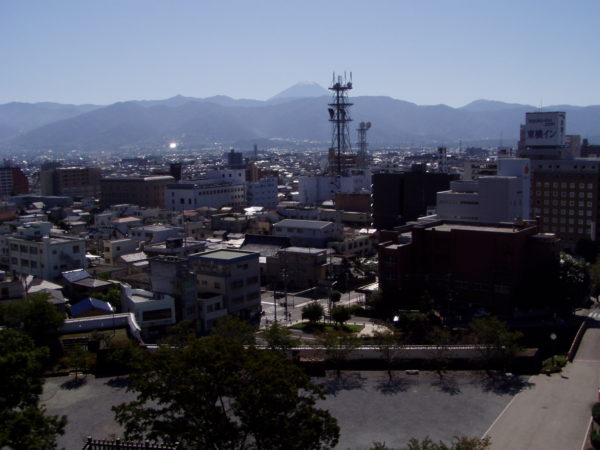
column 232, row 274
column 34, row 250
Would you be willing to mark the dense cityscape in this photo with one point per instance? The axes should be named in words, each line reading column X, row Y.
column 266, row 225
column 404, row 264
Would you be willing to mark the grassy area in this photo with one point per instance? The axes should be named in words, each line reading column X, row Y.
column 320, row 327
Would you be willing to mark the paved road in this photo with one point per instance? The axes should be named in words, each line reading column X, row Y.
column 554, row 414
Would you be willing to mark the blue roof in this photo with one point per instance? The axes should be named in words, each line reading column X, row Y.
column 76, row 275
column 88, row 304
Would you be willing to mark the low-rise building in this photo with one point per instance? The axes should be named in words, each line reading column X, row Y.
column 154, row 312
column 307, row 233
column 115, row 248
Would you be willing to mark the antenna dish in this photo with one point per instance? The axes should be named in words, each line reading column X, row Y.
column 368, row 125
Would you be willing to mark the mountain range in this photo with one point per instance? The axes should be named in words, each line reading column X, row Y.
column 297, row 116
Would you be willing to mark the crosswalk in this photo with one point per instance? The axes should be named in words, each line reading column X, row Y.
column 594, row 315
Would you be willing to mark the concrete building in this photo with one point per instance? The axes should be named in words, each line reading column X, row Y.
column 71, row 181
column 485, row 200
column 402, row 197
column 232, row 274
column 564, row 195
column 262, row 192
column 235, row 160
column 34, row 250
column 152, row 234
column 154, row 312
column 298, row 268
column 13, row 182
column 184, row 196
column 113, row 249
column 314, row 190
column 473, row 170
column 171, row 275
column 307, row 233
column 141, row 191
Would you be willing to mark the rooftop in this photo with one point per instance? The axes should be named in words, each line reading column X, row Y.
column 225, row 255
column 298, row 223
column 487, row 228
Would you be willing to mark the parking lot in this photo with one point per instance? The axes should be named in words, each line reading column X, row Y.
column 367, row 406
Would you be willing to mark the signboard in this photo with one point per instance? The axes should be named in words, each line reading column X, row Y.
column 545, row 129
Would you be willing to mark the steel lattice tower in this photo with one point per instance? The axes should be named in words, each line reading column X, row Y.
column 339, row 116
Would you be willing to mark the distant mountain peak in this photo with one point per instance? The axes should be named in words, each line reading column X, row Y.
column 303, row 89
column 491, row 105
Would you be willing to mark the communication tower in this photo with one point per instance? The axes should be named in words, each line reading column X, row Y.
column 362, row 143
column 339, row 116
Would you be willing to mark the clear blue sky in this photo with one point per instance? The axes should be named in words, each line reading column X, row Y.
column 423, row 51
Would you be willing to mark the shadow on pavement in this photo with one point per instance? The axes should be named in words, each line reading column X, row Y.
column 345, row 382
column 73, row 383
column 502, row 384
column 392, row 386
column 447, row 384
column 118, row 382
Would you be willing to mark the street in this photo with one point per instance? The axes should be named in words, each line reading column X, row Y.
column 277, row 311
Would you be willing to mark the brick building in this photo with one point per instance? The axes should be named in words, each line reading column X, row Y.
column 140, row 191
column 465, row 267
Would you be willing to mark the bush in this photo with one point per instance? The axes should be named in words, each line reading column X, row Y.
column 596, row 412
column 595, row 438
column 554, row 364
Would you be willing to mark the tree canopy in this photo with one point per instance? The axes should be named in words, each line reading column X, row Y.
column 24, row 424
column 219, row 393
column 313, row 312
column 34, row 315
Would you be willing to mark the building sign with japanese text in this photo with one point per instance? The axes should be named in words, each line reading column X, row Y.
column 545, row 129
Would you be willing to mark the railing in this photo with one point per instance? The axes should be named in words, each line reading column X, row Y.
column 98, row 444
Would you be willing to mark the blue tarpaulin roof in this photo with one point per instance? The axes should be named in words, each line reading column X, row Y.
column 88, row 304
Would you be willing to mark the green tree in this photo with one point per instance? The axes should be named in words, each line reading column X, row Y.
column 313, row 312
column 234, row 329
column 458, row 443
column 574, row 283
column 217, row 393
column 387, row 343
column 341, row 314
column 440, row 337
column 35, row 316
column 79, row 360
column 337, row 346
column 335, row 296
column 112, row 296
column 279, row 338
column 499, row 345
column 23, row 421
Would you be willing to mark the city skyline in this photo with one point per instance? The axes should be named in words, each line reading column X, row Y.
column 426, row 53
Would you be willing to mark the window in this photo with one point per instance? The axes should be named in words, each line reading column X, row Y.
column 76, row 249
column 217, row 285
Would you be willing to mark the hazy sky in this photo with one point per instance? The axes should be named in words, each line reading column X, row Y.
column 423, row 51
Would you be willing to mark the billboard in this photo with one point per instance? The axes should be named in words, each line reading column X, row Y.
column 545, row 129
